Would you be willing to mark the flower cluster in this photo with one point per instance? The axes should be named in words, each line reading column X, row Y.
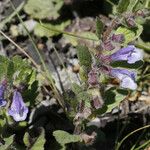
column 130, row 54
column 18, row 109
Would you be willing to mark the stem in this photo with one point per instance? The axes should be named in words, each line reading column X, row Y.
column 19, row 8
column 110, row 2
column 48, row 75
column 63, row 64
column 143, row 145
column 144, row 46
column 68, row 33
column 147, row 126
column 21, row 49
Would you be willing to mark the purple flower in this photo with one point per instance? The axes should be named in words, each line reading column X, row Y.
column 108, row 45
column 126, row 77
column 130, row 53
column 92, row 78
column 18, row 110
column 131, row 21
column 118, row 38
column 2, row 90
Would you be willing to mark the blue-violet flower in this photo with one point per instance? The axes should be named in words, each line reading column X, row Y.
column 18, row 110
column 2, row 90
column 126, row 77
column 131, row 54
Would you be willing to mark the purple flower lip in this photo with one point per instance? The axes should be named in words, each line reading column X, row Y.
column 18, row 110
column 2, row 90
column 131, row 54
column 126, row 77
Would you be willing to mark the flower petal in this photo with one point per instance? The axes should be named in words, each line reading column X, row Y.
column 2, row 90
column 135, row 56
column 127, row 82
column 18, row 110
column 130, row 53
column 2, row 102
column 126, row 77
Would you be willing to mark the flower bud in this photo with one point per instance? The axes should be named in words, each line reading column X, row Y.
column 119, row 38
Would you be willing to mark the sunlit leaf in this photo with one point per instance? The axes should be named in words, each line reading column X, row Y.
column 43, row 9
column 49, row 30
column 130, row 34
column 39, row 144
column 8, row 142
column 63, row 137
column 123, row 5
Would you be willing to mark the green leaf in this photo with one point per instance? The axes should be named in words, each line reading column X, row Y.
column 63, row 137
column 75, row 40
column 76, row 88
column 10, row 71
column 39, row 144
column 22, row 69
column 31, row 93
column 122, row 6
column 83, row 73
column 49, row 30
column 8, row 142
column 130, row 34
column 143, row 45
column 43, row 9
column 132, row 4
column 140, row 5
column 84, row 56
column 3, row 66
column 113, row 98
column 99, row 27
column 81, row 95
column 138, row 31
column 85, row 97
column 124, row 64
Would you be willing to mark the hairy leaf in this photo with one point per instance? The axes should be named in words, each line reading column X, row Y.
column 130, row 34
column 63, row 137
column 76, row 88
column 140, row 5
column 85, row 97
column 49, row 30
column 123, row 5
column 3, row 66
column 43, row 9
column 75, row 40
column 84, row 56
column 8, row 142
column 99, row 27
column 113, row 98
column 39, row 144
column 10, row 71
